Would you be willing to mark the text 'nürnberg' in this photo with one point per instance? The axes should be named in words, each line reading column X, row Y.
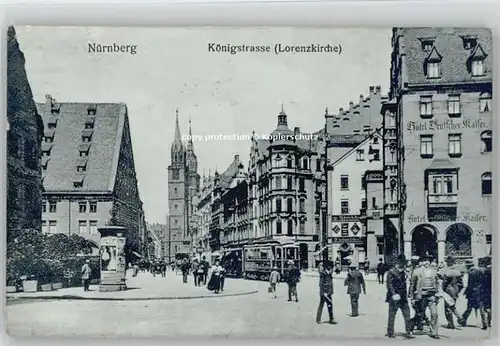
column 112, row 48
column 278, row 48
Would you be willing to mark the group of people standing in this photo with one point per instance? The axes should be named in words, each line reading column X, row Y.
column 291, row 275
column 426, row 284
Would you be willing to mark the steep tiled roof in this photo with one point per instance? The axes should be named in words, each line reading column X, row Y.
column 103, row 147
column 226, row 177
column 448, row 43
column 361, row 118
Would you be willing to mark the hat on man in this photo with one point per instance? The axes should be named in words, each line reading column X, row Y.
column 87, row 261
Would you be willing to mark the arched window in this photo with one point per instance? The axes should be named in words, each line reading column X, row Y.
column 486, row 183
column 278, row 227
column 485, row 102
column 289, row 162
column 305, row 163
column 290, row 227
column 487, row 141
column 458, row 241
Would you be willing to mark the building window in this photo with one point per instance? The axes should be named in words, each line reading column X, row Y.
column 278, row 227
column 278, row 183
column 344, row 230
column 426, row 106
column 305, row 163
column 433, row 69
column 442, row 185
column 302, row 205
column 485, row 102
column 289, row 162
column 44, row 227
column 363, row 203
column 84, row 153
column 290, row 227
column 89, row 126
column 455, row 145
column 486, row 183
column 82, row 227
column 289, row 205
column 317, row 227
column 454, row 105
column 93, row 207
column 301, row 184
column 477, row 67
column 302, row 228
column 427, row 44
column 363, row 182
column 87, row 138
column 52, row 207
column 374, row 203
column 46, row 152
column 344, row 182
column 318, row 164
column 82, row 207
column 360, row 155
column 93, row 227
column 289, row 183
column 278, row 205
column 426, row 147
column 82, row 168
column 344, row 206
column 376, row 154
column 52, row 227
column 44, row 207
column 487, row 141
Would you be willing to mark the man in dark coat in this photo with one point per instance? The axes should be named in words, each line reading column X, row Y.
column 185, row 270
column 397, row 296
column 204, row 264
column 325, row 291
column 380, row 271
column 354, row 282
column 475, row 294
column 292, row 277
column 452, row 284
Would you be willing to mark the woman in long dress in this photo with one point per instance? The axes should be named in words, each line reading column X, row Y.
column 214, row 281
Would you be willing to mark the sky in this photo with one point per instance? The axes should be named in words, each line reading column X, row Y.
column 222, row 94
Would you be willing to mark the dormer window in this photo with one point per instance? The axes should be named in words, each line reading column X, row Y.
column 432, row 64
column 46, row 149
column 55, row 108
column 84, row 149
column 48, row 139
column 87, row 136
column 427, row 43
column 91, row 110
column 89, row 123
column 52, row 123
column 81, row 165
column 475, row 63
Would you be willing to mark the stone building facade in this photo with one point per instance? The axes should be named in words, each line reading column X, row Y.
column 347, row 199
column 24, row 138
column 203, row 218
column 441, row 100
column 183, row 185
column 88, row 168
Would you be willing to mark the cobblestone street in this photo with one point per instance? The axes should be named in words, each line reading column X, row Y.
column 253, row 315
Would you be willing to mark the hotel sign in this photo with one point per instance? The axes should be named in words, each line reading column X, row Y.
column 448, row 218
column 435, row 125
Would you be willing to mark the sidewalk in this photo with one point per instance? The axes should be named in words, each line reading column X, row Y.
column 146, row 287
column 342, row 275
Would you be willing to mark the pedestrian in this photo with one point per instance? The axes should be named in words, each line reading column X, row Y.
column 86, row 271
column 337, row 266
column 222, row 277
column 397, row 297
column 475, row 294
column 274, row 279
column 325, row 291
column 380, row 271
column 185, row 270
column 164, row 268
column 214, row 278
column 419, row 318
column 206, row 267
column 354, row 282
column 292, row 277
column 486, row 297
column 451, row 285
column 194, row 268
column 426, row 294
column 367, row 266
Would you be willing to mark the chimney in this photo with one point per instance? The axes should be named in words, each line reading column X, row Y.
column 361, row 98
column 377, row 89
column 296, row 130
column 237, row 158
column 351, row 105
column 341, row 110
column 372, row 90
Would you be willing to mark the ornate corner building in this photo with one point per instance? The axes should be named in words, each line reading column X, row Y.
column 438, row 142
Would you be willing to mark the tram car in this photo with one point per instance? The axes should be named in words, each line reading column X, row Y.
column 260, row 258
column 232, row 261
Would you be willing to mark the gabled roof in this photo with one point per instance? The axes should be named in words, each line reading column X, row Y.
column 353, row 150
column 434, row 55
column 478, row 53
column 102, row 160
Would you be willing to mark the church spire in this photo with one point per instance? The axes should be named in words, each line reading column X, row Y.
column 190, row 146
column 177, row 153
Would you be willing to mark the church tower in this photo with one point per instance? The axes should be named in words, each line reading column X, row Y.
column 177, row 194
column 193, row 178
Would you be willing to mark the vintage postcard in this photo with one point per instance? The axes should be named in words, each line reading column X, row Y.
column 249, row 182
